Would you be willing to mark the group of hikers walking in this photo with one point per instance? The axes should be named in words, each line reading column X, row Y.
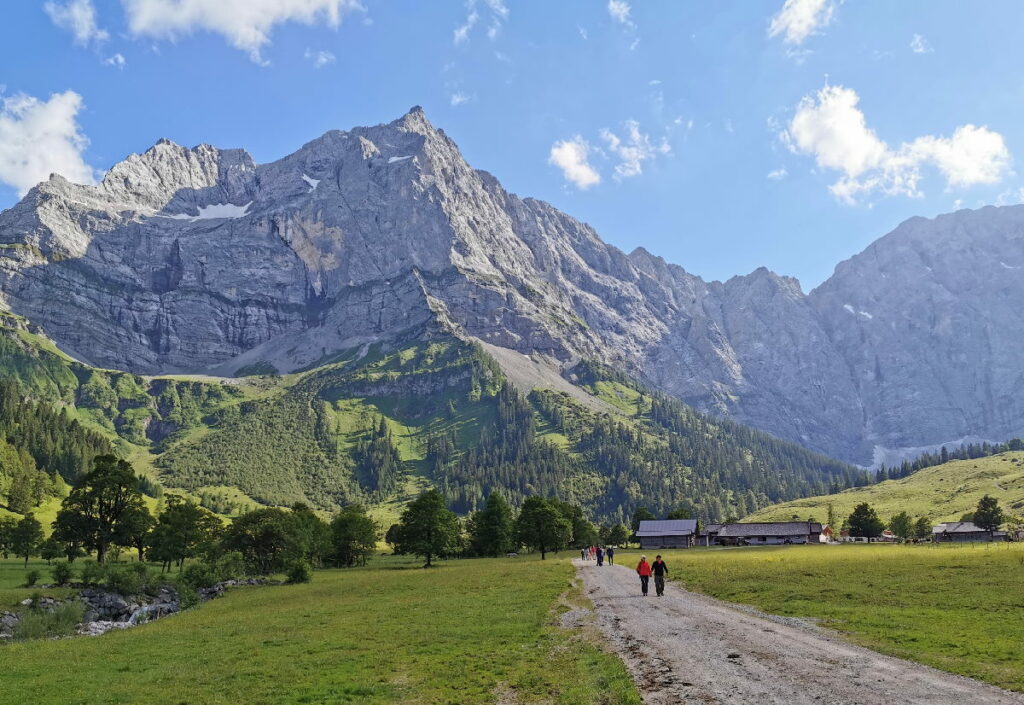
column 598, row 553
column 645, row 570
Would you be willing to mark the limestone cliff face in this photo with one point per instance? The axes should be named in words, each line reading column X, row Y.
column 200, row 260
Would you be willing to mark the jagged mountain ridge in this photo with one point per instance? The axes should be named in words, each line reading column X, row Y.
column 385, row 233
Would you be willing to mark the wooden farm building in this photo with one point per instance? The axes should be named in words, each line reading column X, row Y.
column 668, row 533
column 768, row 533
column 963, row 531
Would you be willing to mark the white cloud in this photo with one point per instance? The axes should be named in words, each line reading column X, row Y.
column 79, row 18
column 920, row 45
column 572, row 157
column 458, row 99
column 498, row 13
column 320, row 58
column 117, row 60
column 246, row 24
column 799, row 19
column 632, row 150
column 830, row 127
column 583, row 32
column 38, row 138
column 619, row 11
column 778, row 174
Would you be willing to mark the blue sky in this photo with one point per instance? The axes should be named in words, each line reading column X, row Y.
column 720, row 135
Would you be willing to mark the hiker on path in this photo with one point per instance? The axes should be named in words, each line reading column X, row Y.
column 660, row 570
column 610, row 555
column 583, row 554
column 643, row 569
column 600, row 556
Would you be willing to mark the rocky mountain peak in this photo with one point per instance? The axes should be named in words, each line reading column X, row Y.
column 199, row 260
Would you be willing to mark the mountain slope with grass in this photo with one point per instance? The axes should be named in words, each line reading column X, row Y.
column 375, row 425
column 941, row 493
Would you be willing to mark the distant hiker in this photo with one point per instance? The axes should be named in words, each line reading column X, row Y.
column 660, row 570
column 643, row 569
column 610, row 555
column 600, row 556
column 583, row 554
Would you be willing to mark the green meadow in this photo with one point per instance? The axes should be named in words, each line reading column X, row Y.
column 468, row 631
column 956, row 608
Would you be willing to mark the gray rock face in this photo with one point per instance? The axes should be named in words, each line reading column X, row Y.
column 200, row 260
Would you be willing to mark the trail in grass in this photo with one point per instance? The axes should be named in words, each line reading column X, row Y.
column 690, row 648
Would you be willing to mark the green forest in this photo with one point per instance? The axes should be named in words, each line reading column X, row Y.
column 375, row 426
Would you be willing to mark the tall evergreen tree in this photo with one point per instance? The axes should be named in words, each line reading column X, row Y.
column 26, row 537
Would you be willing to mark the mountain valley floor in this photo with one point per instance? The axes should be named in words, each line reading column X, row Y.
column 466, row 631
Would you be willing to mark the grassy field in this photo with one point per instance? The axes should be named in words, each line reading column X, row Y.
column 465, row 632
column 957, row 608
column 941, row 493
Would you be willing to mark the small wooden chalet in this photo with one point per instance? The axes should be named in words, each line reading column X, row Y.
column 668, row 533
column 769, row 533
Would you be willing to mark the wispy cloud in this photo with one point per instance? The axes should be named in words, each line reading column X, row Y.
column 572, row 156
column 497, row 12
column 38, row 138
column 799, row 19
column 320, row 58
column 458, row 99
column 117, row 60
column 830, row 127
column 778, row 174
column 620, row 12
column 920, row 45
column 79, row 18
column 632, row 149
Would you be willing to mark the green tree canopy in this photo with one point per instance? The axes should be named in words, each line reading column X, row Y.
column 864, row 522
column 183, row 530
column 101, row 508
column 428, row 528
column 542, row 526
column 988, row 515
column 492, row 529
column 266, row 538
column 353, row 536
column 641, row 514
column 923, row 528
column 26, row 537
column 902, row 526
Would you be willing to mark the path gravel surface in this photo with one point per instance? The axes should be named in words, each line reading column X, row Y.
column 690, row 648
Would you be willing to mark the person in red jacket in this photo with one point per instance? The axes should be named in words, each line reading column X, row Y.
column 643, row 569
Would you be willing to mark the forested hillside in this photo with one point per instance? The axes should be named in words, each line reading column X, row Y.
column 374, row 425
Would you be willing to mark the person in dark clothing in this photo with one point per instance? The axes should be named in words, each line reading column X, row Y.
column 610, row 554
column 643, row 569
column 660, row 570
column 600, row 556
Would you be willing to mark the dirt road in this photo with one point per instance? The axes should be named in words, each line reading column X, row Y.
column 689, row 648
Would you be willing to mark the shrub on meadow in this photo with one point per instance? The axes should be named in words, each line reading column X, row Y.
column 299, row 572
column 62, row 573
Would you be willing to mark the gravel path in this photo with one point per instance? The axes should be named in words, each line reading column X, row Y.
column 690, row 648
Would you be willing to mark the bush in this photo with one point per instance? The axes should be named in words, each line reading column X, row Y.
column 32, row 577
column 126, row 581
column 93, row 573
column 230, row 566
column 199, row 575
column 62, row 572
column 187, row 596
column 40, row 624
column 299, row 572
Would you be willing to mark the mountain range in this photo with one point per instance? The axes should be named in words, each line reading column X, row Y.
column 201, row 262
